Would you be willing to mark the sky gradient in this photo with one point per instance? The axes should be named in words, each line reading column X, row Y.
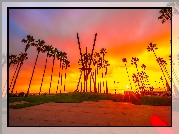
column 124, row 33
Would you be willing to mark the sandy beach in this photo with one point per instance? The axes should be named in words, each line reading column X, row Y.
column 102, row 113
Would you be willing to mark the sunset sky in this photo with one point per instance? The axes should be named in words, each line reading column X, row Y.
column 125, row 33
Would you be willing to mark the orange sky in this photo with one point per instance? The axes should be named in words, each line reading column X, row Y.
column 124, row 34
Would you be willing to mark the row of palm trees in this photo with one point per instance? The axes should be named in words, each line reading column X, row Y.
column 90, row 64
column 41, row 48
column 141, row 77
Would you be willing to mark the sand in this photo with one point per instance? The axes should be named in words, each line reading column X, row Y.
column 102, row 113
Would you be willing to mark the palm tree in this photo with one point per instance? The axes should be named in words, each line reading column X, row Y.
column 58, row 55
column 22, row 58
column 151, row 48
column 39, row 46
column 29, row 41
column 125, row 61
column 134, row 62
column 53, row 53
column 47, row 49
column 12, row 59
column 166, row 14
column 64, row 65
column 16, row 61
column 164, row 63
column 160, row 62
column 103, row 65
column 145, row 75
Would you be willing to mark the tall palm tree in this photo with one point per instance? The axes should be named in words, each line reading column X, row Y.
column 151, row 48
column 29, row 41
column 160, row 62
column 47, row 49
column 134, row 62
column 22, row 58
column 53, row 53
column 67, row 64
column 16, row 61
column 164, row 63
column 125, row 61
column 58, row 55
column 146, row 76
column 64, row 59
column 12, row 62
column 39, row 46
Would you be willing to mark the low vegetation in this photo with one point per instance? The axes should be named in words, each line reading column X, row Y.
column 78, row 97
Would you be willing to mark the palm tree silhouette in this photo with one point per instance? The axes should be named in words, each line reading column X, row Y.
column 161, row 62
column 47, row 49
column 151, row 48
column 164, row 63
column 16, row 61
column 58, row 55
column 125, row 61
column 63, row 59
column 39, row 46
column 134, row 62
column 67, row 64
column 29, row 41
column 165, row 14
column 13, row 59
column 22, row 58
column 145, row 76
column 52, row 54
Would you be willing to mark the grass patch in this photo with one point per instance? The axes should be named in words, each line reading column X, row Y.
column 79, row 97
column 156, row 101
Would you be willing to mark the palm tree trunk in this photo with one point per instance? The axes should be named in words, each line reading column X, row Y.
column 14, row 75
column 84, row 80
column 165, row 69
column 160, row 67
column 58, row 79
column 19, row 69
column 95, row 81
column 90, row 83
column 51, row 74
column 59, row 75
column 128, row 77
column 43, row 74
column 33, row 73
